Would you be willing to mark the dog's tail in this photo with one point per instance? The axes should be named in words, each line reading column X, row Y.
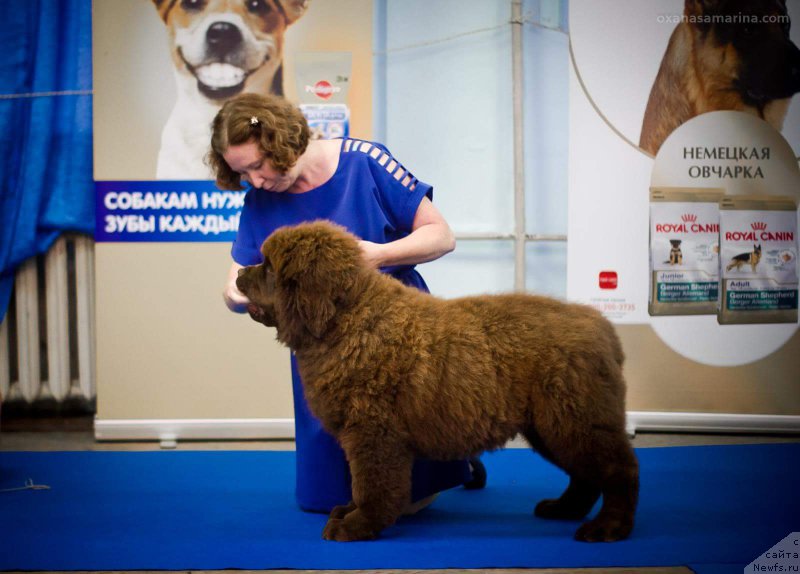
column 615, row 343
column 607, row 333
column 619, row 354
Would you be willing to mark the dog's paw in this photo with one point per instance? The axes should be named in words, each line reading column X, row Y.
column 555, row 509
column 340, row 530
column 332, row 528
column 604, row 530
column 342, row 511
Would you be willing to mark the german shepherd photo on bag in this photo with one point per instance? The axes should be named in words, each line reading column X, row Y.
column 724, row 55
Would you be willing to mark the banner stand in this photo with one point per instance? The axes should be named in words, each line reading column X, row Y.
column 640, row 421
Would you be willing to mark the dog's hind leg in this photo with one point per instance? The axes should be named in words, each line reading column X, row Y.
column 616, row 470
column 576, row 501
column 599, row 460
column 381, row 484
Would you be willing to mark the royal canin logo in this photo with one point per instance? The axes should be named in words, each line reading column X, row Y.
column 323, row 89
column 759, row 233
column 689, row 225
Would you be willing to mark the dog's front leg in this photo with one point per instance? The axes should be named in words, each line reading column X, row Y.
column 381, row 473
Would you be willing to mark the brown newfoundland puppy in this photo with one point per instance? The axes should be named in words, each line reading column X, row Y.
column 394, row 374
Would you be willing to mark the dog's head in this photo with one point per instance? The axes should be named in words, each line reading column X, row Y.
column 229, row 46
column 749, row 41
column 310, row 271
column 675, row 243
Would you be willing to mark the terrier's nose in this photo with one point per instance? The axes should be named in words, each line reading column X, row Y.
column 222, row 37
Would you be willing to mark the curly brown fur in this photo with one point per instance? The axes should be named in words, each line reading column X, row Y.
column 395, row 374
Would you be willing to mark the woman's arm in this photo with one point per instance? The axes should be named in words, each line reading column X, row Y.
column 430, row 238
column 234, row 299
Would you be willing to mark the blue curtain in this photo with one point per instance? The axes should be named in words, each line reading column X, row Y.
column 45, row 128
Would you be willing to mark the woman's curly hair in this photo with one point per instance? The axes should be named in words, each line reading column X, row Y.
column 277, row 126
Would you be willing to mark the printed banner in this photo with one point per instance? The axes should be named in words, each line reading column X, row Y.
column 162, row 71
column 645, row 114
column 192, row 211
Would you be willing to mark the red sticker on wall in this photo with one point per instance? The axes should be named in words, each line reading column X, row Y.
column 608, row 280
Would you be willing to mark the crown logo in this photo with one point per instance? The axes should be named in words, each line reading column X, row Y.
column 759, row 226
column 689, row 217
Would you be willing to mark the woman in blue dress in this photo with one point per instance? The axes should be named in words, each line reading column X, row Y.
column 264, row 141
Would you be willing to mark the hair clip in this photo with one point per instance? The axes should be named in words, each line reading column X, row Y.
column 253, row 121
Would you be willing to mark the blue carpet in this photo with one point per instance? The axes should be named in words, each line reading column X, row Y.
column 713, row 508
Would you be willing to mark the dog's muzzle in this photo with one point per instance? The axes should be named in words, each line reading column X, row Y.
column 223, row 75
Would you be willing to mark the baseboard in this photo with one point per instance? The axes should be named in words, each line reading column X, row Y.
column 193, row 429
column 264, row 429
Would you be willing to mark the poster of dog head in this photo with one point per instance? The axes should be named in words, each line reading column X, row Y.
column 649, row 67
column 163, row 68
column 218, row 50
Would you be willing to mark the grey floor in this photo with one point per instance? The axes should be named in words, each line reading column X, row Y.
column 83, row 440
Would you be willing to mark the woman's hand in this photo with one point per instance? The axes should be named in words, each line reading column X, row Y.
column 372, row 252
column 235, row 300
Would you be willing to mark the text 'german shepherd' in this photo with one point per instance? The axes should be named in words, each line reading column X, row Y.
column 724, row 55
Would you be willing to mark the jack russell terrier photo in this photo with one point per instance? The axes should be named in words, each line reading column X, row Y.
column 219, row 49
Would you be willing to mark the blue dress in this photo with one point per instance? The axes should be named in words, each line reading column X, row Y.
column 375, row 198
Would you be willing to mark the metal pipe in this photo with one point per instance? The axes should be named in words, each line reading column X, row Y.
column 519, row 140
column 483, row 236
column 489, row 236
column 380, row 70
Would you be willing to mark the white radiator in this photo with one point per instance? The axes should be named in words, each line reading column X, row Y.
column 47, row 347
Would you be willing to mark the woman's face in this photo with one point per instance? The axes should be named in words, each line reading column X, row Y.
column 249, row 162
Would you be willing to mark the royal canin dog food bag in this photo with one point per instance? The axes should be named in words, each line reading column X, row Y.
column 758, row 260
column 684, row 251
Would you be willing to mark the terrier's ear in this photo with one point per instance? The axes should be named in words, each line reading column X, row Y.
column 163, row 7
column 293, row 9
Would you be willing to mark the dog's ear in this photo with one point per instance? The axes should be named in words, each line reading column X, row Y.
column 701, row 7
column 163, row 7
column 699, row 12
column 315, row 265
column 307, row 292
column 293, row 9
column 315, row 310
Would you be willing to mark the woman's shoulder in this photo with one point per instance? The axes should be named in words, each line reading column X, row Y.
column 367, row 155
column 365, row 147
